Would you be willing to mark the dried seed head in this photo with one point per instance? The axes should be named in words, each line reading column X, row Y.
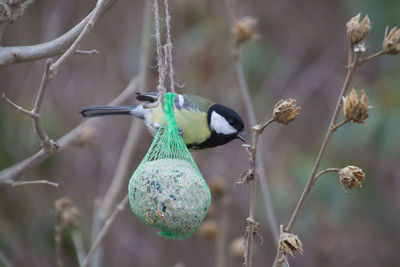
column 208, row 229
column 244, row 29
column 246, row 176
column 351, row 176
column 67, row 213
column 289, row 243
column 217, row 187
column 357, row 31
column 85, row 137
column 285, row 111
column 236, row 249
column 391, row 42
column 355, row 109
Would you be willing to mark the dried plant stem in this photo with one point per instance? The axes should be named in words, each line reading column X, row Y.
column 339, row 124
column 104, row 230
column 377, row 54
column 19, row 183
column 323, row 172
column 327, row 138
column 273, row 225
column 21, row 167
column 331, row 129
column 251, row 222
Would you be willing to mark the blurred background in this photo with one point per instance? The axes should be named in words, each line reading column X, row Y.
column 300, row 52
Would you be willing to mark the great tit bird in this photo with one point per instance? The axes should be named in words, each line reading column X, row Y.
column 202, row 123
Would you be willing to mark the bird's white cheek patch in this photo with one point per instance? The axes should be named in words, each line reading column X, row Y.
column 220, row 125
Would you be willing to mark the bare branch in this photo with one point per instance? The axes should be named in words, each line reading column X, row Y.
column 18, row 54
column 19, row 108
column 18, row 169
column 89, row 53
column 95, row 15
column 19, row 183
column 377, row 54
column 46, row 143
column 105, row 229
column 331, row 129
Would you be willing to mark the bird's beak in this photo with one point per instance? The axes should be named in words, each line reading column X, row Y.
column 242, row 136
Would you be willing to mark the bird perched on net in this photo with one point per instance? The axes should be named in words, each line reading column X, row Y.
column 201, row 122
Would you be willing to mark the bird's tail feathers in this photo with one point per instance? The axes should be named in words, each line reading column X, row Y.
column 97, row 111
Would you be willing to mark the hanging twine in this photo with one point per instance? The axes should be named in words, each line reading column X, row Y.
column 164, row 52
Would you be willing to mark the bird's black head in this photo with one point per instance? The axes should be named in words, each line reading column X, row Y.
column 225, row 125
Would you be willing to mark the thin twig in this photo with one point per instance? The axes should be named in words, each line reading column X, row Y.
column 251, row 223
column 46, row 142
column 339, row 124
column 327, row 138
column 351, row 70
column 104, row 230
column 89, row 53
column 21, row 167
column 323, row 172
column 377, row 54
column 19, row 183
column 18, row 54
column 86, row 30
column 19, row 108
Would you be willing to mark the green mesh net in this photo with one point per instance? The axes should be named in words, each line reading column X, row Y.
column 167, row 190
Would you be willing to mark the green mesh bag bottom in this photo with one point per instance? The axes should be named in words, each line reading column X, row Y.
column 167, row 190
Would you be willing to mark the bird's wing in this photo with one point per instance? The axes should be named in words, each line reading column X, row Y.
column 147, row 97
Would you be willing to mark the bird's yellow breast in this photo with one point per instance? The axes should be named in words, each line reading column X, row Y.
column 193, row 123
